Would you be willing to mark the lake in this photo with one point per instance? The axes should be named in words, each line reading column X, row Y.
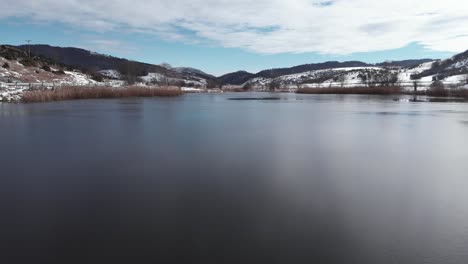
column 204, row 178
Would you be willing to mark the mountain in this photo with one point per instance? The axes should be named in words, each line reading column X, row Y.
column 193, row 71
column 273, row 73
column 91, row 61
column 403, row 63
column 325, row 73
column 236, row 78
column 113, row 67
column 241, row 77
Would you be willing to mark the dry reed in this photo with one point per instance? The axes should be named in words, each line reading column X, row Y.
column 76, row 93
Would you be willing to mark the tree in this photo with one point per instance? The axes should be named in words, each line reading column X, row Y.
column 164, row 81
column 342, row 80
column 212, row 84
column 385, row 78
column 438, row 89
column 274, row 85
column 364, row 78
column 180, row 83
column 247, row 86
column 46, row 68
column 415, row 85
column 437, row 85
column 154, row 81
column 96, row 76
column 131, row 70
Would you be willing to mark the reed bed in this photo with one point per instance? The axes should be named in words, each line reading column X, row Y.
column 77, row 93
column 442, row 92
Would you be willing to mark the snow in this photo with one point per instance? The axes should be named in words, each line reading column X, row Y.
column 112, row 74
column 192, row 90
column 459, row 64
column 351, row 77
column 77, row 78
column 152, row 76
column 158, row 77
column 420, row 68
column 11, row 95
column 18, row 78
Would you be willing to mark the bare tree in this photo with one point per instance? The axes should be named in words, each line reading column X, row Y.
column 298, row 86
column 415, row 85
column 247, row 86
column 342, row 79
column 274, row 85
column 164, row 81
column 154, row 81
column 437, row 85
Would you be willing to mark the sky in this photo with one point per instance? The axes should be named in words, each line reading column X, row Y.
column 221, row 36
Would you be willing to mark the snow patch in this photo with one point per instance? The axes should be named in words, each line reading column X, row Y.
column 112, row 74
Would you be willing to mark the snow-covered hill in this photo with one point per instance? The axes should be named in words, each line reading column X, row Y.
column 19, row 72
column 360, row 76
column 441, row 70
column 119, row 68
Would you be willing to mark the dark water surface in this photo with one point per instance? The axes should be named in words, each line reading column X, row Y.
column 205, row 179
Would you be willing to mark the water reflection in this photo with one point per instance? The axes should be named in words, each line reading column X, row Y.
column 204, row 179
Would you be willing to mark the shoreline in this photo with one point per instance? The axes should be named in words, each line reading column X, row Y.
column 105, row 92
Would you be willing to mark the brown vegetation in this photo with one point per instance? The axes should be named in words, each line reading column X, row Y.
column 354, row 90
column 443, row 92
column 435, row 91
column 76, row 93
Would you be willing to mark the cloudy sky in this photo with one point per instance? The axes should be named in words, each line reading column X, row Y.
column 219, row 36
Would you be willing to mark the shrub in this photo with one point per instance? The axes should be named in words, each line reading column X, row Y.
column 96, row 76
column 9, row 57
column 46, row 68
column 59, row 72
column 28, row 62
column 6, row 65
column 274, row 85
column 437, row 85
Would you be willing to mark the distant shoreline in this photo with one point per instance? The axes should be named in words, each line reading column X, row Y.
column 89, row 92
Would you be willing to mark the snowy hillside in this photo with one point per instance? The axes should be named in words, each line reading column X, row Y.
column 454, row 66
column 19, row 72
column 115, row 68
column 15, row 72
column 359, row 76
column 15, row 78
column 162, row 79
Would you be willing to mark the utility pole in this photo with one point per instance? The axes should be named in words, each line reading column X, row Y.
column 29, row 47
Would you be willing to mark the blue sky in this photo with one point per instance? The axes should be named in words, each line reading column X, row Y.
column 253, row 43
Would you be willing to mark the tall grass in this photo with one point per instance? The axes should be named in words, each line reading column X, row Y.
column 435, row 92
column 353, row 90
column 442, row 92
column 76, row 93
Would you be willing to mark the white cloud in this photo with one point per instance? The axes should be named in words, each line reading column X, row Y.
column 269, row 26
